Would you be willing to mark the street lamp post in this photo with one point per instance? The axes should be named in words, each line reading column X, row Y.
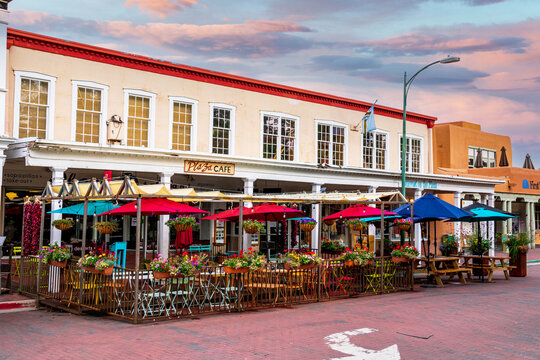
column 406, row 86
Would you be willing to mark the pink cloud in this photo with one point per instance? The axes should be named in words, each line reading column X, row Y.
column 160, row 8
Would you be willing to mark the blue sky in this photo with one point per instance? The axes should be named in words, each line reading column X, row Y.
column 352, row 48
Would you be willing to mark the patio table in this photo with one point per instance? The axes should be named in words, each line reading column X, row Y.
column 442, row 265
column 490, row 267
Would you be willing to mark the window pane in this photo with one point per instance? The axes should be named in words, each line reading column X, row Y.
column 221, row 133
column 181, row 137
column 138, row 120
column 33, row 108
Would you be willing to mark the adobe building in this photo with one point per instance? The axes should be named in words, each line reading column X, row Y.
column 463, row 149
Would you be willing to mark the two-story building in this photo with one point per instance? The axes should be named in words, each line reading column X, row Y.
column 75, row 110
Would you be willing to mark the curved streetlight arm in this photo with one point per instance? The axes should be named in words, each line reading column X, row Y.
column 408, row 83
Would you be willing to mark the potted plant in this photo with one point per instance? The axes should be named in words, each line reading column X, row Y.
column 479, row 247
column 355, row 224
column 366, row 255
column 106, row 227
column 63, row 224
column 185, row 265
column 517, row 249
column 253, row 226
column 351, row 258
column 307, row 224
column 161, row 268
column 301, row 260
column 332, row 246
column 403, row 224
column 98, row 263
column 243, row 263
column 404, row 253
column 182, row 222
column 449, row 246
column 57, row 256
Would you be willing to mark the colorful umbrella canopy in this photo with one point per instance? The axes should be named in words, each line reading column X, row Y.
column 359, row 211
column 227, row 214
column 93, row 208
column 263, row 212
column 431, row 208
column 152, row 206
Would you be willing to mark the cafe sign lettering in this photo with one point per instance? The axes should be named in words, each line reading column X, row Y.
column 207, row 167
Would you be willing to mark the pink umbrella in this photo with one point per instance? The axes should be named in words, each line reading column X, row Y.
column 263, row 212
column 227, row 214
column 358, row 211
column 155, row 206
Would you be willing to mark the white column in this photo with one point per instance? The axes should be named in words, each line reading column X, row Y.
column 528, row 218
column 483, row 225
column 315, row 214
column 430, row 151
column 417, row 227
column 57, row 178
column 163, row 230
column 509, row 221
column 504, row 224
column 491, row 226
column 248, row 190
column 457, row 225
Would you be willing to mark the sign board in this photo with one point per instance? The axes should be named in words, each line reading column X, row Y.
column 421, row 184
column 219, row 235
column 207, row 167
column 25, row 178
column 255, row 239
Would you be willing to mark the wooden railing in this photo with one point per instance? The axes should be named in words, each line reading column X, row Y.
column 138, row 296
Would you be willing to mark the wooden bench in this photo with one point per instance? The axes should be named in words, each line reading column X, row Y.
column 491, row 267
column 441, row 266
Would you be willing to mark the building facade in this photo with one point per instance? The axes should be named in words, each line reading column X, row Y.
column 74, row 110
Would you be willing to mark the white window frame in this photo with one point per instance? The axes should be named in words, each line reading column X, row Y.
column 151, row 128
column 194, row 111
column 408, row 159
column 49, row 131
column 332, row 123
column 374, row 155
column 475, row 148
column 104, row 102
column 232, row 109
column 296, row 138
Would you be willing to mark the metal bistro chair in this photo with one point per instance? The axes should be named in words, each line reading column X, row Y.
column 373, row 280
column 17, row 251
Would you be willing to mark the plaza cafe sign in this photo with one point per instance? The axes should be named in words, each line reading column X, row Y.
column 208, row 167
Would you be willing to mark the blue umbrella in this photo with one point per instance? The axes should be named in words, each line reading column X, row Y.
column 94, row 207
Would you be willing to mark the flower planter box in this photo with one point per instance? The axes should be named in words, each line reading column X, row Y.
column 400, row 259
column 158, row 275
column 404, row 227
column 63, row 226
column 108, row 271
column 349, row 263
column 60, row 264
column 230, row 270
column 301, row 267
column 369, row 262
column 182, row 227
column 520, row 264
column 307, row 227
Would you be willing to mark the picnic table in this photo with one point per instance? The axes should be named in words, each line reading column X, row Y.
column 490, row 267
column 442, row 265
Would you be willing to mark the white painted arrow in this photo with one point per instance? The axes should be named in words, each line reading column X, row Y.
column 341, row 342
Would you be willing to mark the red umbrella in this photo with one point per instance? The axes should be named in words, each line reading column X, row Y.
column 358, row 211
column 272, row 212
column 155, row 206
column 227, row 214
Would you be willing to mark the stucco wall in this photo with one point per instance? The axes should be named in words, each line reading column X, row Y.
column 249, row 104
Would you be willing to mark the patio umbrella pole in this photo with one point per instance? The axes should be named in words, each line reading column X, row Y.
column 41, row 229
column 428, row 283
column 241, row 224
column 83, row 246
column 382, row 247
column 137, row 259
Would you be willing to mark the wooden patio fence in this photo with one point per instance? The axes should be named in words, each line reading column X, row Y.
column 137, row 296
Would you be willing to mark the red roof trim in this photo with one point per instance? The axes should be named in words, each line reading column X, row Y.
column 93, row 53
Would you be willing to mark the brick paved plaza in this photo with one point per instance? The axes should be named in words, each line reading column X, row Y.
column 474, row 321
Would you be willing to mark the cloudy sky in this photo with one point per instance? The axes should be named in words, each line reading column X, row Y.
column 353, row 48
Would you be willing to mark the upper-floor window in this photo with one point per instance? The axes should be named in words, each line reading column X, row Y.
column 375, row 147
column 222, row 128
column 330, row 144
column 279, row 136
column 90, row 102
column 413, row 155
column 183, row 112
column 488, row 157
column 140, row 117
column 34, row 105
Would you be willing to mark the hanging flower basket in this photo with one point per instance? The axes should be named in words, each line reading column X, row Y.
column 357, row 227
column 307, row 227
column 251, row 229
column 106, row 227
column 230, row 270
column 182, row 227
column 60, row 264
column 63, row 226
column 400, row 259
column 355, row 224
column 329, row 222
column 404, row 227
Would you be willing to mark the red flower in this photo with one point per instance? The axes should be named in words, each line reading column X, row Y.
column 184, row 253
